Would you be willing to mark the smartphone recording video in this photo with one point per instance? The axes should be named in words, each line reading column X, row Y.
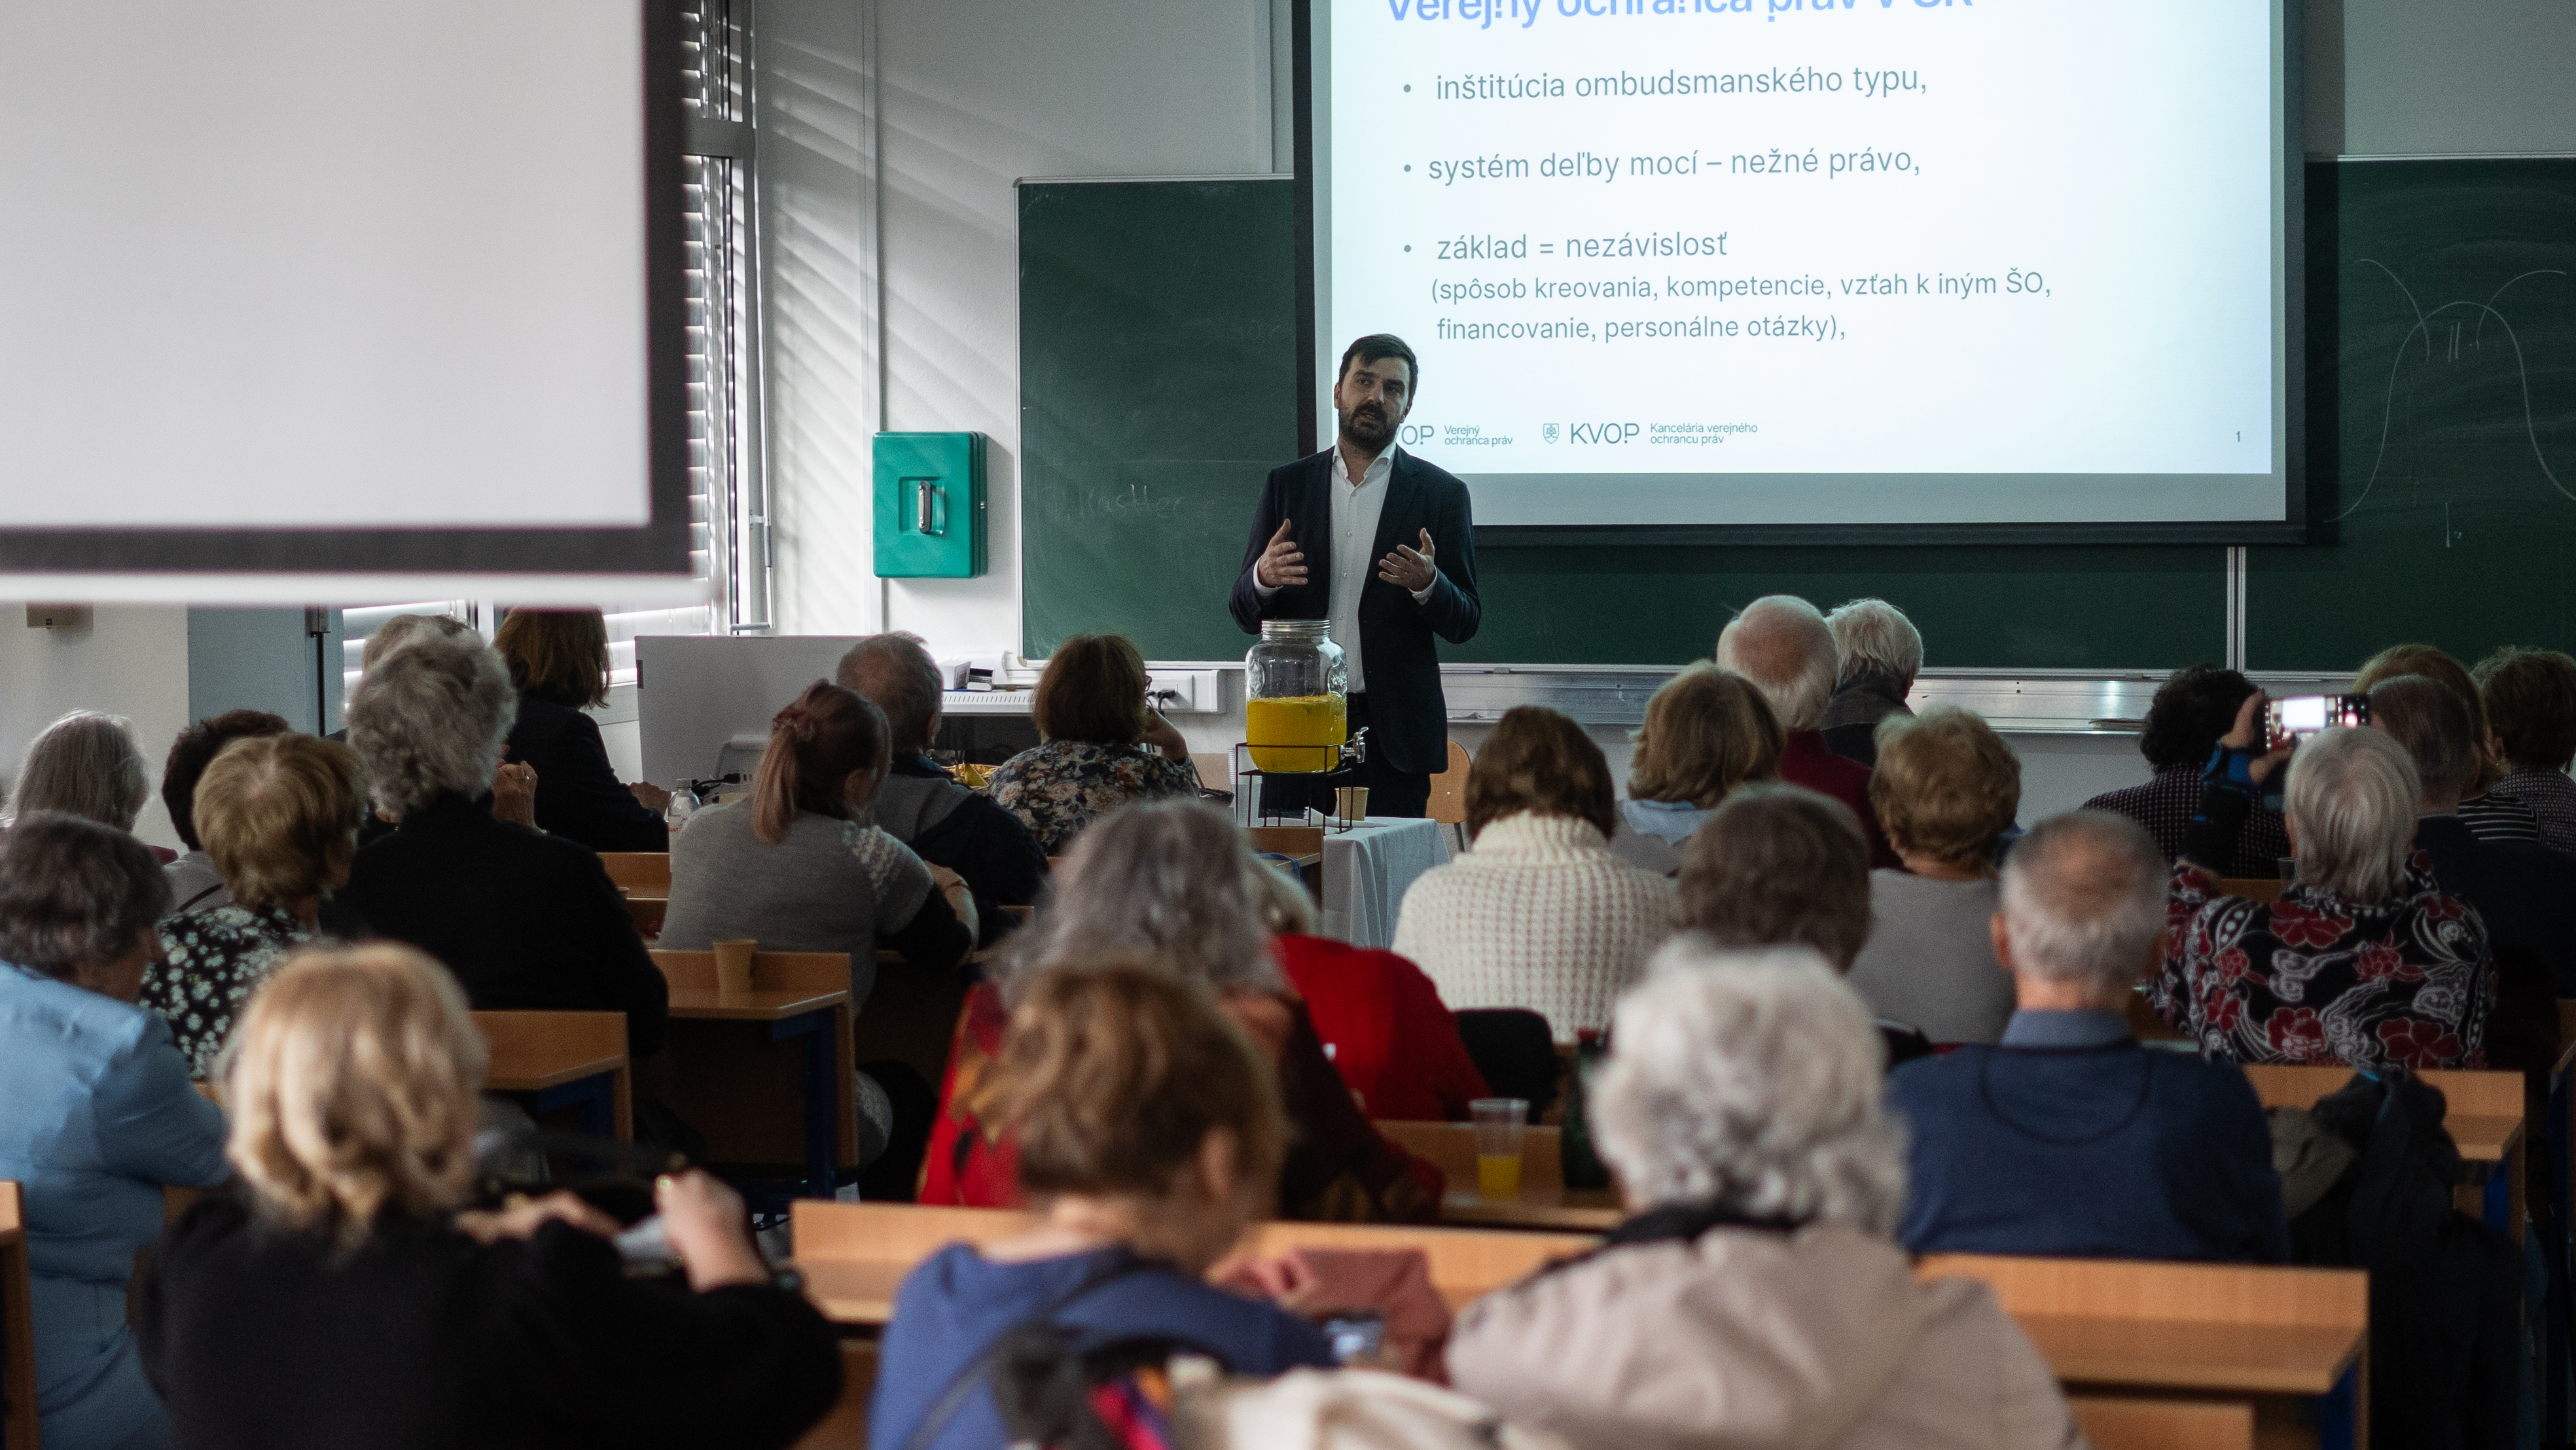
column 2301, row 716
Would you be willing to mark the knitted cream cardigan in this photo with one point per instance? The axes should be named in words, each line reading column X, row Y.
column 1540, row 915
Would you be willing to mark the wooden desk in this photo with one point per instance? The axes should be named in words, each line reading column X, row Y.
column 1544, row 1202
column 648, row 912
column 854, row 1256
column 2263, row 1336
column 17, row 1323
column 2483, row 1115
column 638, row 873
column 564, row 1060
column 734, row 1063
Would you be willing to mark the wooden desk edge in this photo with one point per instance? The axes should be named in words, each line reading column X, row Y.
column 556, row 1077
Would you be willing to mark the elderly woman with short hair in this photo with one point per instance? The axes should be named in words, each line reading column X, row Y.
column 1706, row 732
column 279, row 815
column 2363, row 961
column 1104, row 746
column 1877, row 653
column 1172, row 881
column 1754, row 1296
column 1538, row 914
column 524, row 920
column 96, row 1114
column 86, row 764
column 1947, row 787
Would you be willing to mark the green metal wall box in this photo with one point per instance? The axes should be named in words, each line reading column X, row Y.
column 930, row 505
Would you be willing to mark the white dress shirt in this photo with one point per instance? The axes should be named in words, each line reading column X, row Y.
column 1355, row 512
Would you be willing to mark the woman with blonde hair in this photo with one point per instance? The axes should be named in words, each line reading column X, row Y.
column 558, row 661
column 279, row 817
column 345, row 1298
column 1150, row 1135
column 1947, row 787
column 1707, row 731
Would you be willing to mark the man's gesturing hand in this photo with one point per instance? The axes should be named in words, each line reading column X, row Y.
column 1282, row 563
column 1411, row 570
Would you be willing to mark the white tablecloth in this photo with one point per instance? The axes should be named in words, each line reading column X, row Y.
column 1366, row 871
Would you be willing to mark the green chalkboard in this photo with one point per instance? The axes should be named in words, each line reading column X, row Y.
column 1158, row 387
column 2442, row 416
column 1159, row 383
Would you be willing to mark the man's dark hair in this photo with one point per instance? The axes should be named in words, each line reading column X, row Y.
column 75, row 894
column 2189, row 713
column 1378, row 347
column 195, row 749
column 2531, row 705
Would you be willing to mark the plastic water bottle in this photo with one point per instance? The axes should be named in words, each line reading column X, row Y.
column 676, row 814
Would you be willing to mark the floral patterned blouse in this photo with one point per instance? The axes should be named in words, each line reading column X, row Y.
column 215, row 959
column 2313, row 978
column 1057, row 788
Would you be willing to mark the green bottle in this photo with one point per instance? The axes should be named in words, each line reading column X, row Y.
column 1581, row 1166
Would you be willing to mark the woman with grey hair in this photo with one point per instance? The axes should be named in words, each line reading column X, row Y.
column 1171, row 882
column 1877, row 653
column 96, row 1114
column 86, row 764
column 524, row 920
column 2363, row 961
column 1754, row 1296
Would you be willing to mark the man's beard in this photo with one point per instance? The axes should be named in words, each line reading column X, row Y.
column 1369, row 426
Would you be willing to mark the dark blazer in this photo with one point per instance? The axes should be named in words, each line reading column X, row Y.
column 257, row 1335
column 1408, row 715
column 579, row 796
column 525, row 921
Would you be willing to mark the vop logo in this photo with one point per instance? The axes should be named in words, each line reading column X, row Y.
column 1602, row 433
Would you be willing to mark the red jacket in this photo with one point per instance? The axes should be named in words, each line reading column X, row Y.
column 1804, row 760
column 1390, row 1036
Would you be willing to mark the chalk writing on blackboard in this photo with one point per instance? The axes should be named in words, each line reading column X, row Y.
column 2473, row 319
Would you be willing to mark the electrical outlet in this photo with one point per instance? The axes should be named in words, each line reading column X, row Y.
column 1191, row 692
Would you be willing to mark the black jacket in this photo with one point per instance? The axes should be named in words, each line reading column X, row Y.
column 421, row 1339
column 970, row 833
column 525, row 921
column 579, row 796
column 1408, row 715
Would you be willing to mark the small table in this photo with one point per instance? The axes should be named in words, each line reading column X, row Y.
column 817, row 1021
column 1367, row 870
column 563, row 1060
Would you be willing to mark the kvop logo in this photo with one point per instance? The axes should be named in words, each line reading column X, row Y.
column 1601, row 433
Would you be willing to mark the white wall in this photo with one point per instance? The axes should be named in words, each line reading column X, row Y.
column 129, row 660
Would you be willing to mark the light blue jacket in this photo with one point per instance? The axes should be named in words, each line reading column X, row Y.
column 96, row 1114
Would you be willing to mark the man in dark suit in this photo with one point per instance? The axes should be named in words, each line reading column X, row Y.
column 1381, row 544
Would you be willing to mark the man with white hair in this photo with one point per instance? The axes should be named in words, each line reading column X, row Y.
column 1781, row 644
column 2068, row 1138
column 1877, row 653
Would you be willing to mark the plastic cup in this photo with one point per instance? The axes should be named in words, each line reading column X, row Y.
column 1499, row 1126
column 1352, row 802
column 733, row 967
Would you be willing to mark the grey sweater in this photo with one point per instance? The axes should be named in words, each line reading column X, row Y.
column 1930, row 962
column 831, row 886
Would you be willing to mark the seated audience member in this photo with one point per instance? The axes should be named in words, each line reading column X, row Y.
column 1780, row 865
column 2068, row 1138
column 2530, row 701
column 558, row 662
column 86, row 764
column 2190, row 711
column 279, row 815
column 1171, row 882
column 525, row 921
column 1394, row 1043
column 1150, row 1136
column 1876, row 656
column 1706, row 733
column 341, row 1298
column 1538, row 913
column 1104, row 746
column 1754, row 1296
column 513, row 786
column 2362, row 961
column 797, row 867
column 1946, row 788
column 2523, row 891
column 2490, row 814
column 1781, row 644
column 195, row 883
column 943, row 822
column 96, row 1115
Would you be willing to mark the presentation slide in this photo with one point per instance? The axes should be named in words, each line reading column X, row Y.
column 1801, row 262
column 358, row 271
